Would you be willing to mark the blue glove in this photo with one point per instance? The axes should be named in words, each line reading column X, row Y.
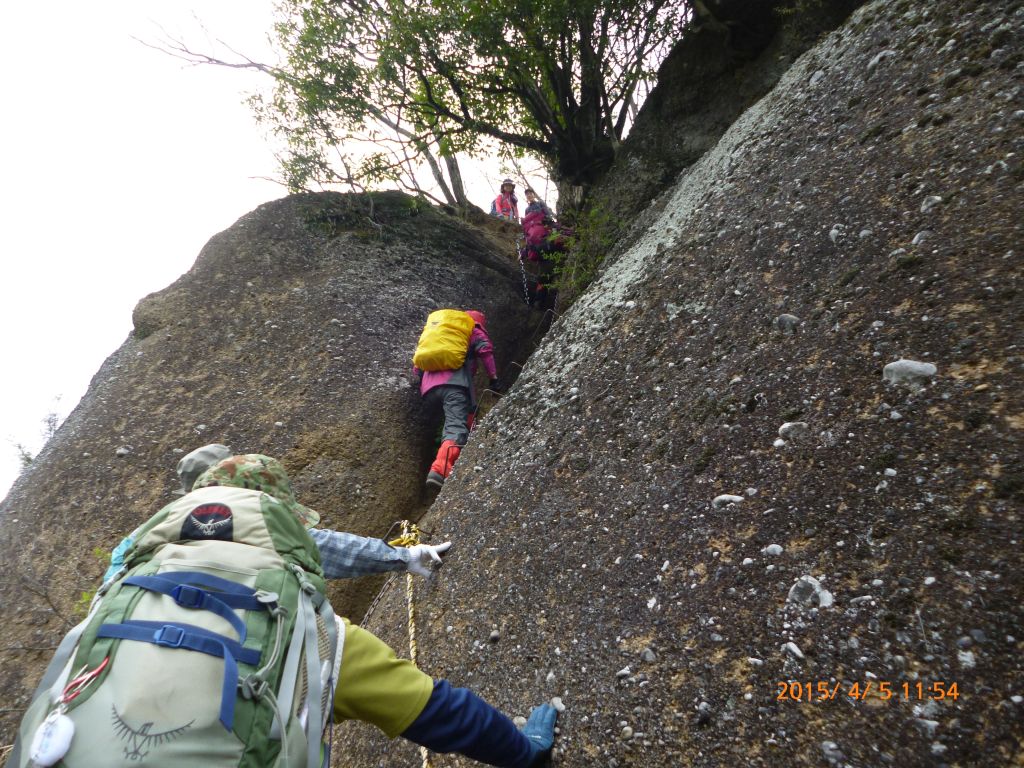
column 540, row 729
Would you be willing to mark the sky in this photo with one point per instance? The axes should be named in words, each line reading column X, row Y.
column 119, row 163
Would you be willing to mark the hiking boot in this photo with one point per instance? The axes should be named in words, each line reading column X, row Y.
column 446, row 456
column 435, row 479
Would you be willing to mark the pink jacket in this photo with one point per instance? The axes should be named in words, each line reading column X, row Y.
column 480, row 347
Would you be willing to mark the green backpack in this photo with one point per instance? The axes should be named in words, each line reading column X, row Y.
column 213, row 646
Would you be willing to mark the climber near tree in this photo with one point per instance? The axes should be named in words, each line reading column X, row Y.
column 445, row 362
column 506, row 204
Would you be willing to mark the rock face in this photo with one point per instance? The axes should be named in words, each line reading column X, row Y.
column 292, row 336
column 873, row 197
column 731, row 56
column 582, row 510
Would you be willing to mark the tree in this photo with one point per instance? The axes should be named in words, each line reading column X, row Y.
column 423, row 80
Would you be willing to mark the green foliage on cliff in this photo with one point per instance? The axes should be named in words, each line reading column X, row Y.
column 429, row 78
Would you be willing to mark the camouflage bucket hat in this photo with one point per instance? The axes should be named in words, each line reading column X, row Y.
column 258, row 473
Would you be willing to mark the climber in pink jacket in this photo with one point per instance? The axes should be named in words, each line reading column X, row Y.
column 453, row 392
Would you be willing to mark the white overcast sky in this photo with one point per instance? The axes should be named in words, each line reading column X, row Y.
column 119, row 163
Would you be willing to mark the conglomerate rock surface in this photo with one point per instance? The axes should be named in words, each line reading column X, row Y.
column 707, row 484
column 703, row 487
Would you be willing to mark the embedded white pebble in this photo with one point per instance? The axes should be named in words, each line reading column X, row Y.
column 793, row 430
column 556, row 702
column 724, row 499
column 772, row 549
column 909, row 373
column 793, row 650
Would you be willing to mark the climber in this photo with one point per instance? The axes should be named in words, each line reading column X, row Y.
column 340, row 552
column 534, row 203
column 373, row 684
column 452, row 391
column 506, row 205
column 542, row 233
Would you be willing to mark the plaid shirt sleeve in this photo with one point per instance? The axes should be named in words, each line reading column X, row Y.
column 345, row 555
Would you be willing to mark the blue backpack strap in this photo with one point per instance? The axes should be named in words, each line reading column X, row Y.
column 191, row 590
column 192, row 638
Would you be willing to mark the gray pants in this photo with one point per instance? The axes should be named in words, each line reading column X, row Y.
column 455, row 402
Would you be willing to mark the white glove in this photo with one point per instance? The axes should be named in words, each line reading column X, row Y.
column 423, row 558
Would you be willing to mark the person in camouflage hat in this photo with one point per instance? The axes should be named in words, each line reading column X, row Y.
column 375, row 685
column 257, row 473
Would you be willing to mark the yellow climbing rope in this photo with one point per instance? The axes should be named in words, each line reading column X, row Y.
column 410, row 537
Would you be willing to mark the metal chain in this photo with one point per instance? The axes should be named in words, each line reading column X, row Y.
column 522, row 270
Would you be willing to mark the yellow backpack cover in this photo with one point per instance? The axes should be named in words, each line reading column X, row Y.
column 444, row 341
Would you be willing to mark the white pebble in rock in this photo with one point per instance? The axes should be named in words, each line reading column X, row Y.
column 832, row 752
column 807, row 591
column 793, row 430
column 786, row 323
column 779, row 442
column 878, row 58
column 966, row 659
column 793, row 650
column 908, row 373
column 519, row 721
column 647, row 655
column 725, row 499
column 747, row 561
column 772, row 549
column 123, row 451
column 624, row 672
column 626, row 733
column 495, row 636
column 930, row 202
column 556, row 702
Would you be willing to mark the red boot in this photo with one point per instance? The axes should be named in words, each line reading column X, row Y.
column 442, row 466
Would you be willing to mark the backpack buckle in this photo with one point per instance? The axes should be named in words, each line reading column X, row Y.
column 253, row 687
column 169, row 636
column 188, row 597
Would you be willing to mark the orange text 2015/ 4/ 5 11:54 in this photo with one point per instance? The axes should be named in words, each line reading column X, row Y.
column 827, row 690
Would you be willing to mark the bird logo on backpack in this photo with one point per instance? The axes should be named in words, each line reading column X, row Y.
column 213, row 645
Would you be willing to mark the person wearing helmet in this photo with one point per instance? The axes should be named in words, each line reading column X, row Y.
column 506, row 204
column 452, row 392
